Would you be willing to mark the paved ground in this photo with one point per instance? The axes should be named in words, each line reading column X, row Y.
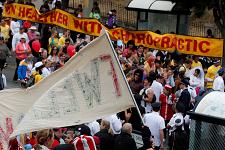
column 9, row 73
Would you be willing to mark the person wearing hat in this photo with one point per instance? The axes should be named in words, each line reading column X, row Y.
column 24, row 69
column 218, row 83
column 4, row 53
column 32, row 33
column 37, row 72
column 167, row 99
column 156, row 124
column 185, row 96
column 179, row 112
column 178, row 139
column 22, row 51
column 17, row 37
column 211, row 74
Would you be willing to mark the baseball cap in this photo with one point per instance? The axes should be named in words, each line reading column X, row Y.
column 185, row 82
column 156, row 105
column 23, row 37
column 221, row 71
column 168, row 87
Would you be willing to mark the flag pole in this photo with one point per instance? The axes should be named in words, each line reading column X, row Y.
column 117, row 60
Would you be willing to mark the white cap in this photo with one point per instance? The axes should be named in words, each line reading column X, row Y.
column 181, row 69
column 23, row 37
column 33, row 28
column 38, row 64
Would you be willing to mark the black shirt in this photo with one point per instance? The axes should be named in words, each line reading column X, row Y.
column 124, row 141
column 106, row 140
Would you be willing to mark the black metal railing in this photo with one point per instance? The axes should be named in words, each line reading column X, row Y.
column 128, row 19
column 125, row 18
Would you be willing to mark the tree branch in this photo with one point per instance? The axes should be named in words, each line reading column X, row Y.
column 217, row 19
column 220, row 10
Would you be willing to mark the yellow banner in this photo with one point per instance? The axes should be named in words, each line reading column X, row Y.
column 168, row 42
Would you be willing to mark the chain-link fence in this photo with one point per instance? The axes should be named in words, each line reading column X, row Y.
column 206, row 136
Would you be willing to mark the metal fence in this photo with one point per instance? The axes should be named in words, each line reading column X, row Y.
column 128, row 19
column 206, row 136
column 125, row 18
column 200, row 29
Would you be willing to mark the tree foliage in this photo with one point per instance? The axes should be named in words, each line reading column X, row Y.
column 198, row 8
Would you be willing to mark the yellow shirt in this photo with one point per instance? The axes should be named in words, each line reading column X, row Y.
column 62, row 41
column 37, row 78
column 211, row 75
column 196, row 64
column 52, row 42
column 5, row 32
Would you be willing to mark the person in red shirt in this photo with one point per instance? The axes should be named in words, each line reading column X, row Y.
column 33, row 139
column 167, row 99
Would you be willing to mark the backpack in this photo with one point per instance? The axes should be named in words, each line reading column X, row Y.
column 2, row 86
column 178, row 140
column 31, row 81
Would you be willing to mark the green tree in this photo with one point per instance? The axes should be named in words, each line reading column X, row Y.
column 198, row 7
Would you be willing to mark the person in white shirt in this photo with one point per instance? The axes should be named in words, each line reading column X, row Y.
column 94, row 127
column 17, row 37
column 157, row 86
column 148, row 100
column 146, row 83
column 195, row 80
column 186, row 69
column 115, row 124
column 14, row 27
column 193, row 93
column 218, row 83
column 179, row 109
column 156, row 125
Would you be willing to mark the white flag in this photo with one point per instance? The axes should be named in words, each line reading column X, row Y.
column 91, row 85
column 14, row 103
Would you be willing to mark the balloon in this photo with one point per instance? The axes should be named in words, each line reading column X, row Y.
column 36, row 45
column 71, row 50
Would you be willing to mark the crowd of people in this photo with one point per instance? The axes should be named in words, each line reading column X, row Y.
column 166, row 85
